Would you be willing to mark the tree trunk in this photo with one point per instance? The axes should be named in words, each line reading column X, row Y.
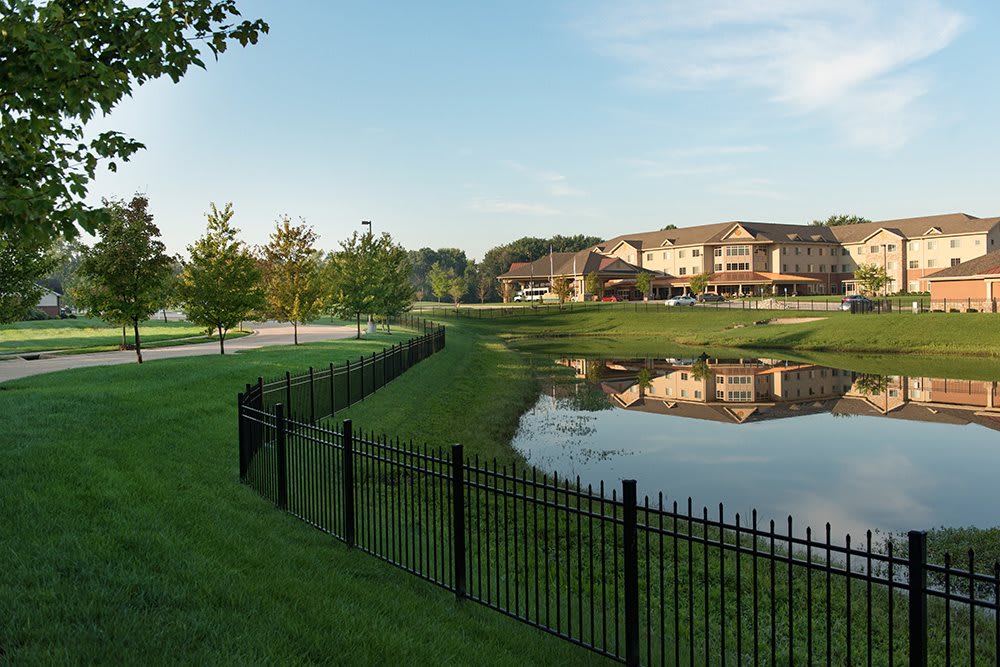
column 164, row 315
column 359, row 326
column 124, row 340
column 222, row 340
column 138, row 344
column 295, row 327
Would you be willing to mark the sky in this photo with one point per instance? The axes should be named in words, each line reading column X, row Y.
column 470, row 124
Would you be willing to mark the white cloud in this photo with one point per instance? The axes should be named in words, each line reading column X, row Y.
column 847, row 60
column 500, row 205
column 554, row 183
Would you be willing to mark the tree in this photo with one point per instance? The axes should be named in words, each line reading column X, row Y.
column 220, row 284
column 871, row 278
column 699, row 283
column 293, row 289
column 592, row 282
column 422, row 260
column 668, row 227
column 561, row 288
column 838, row 220
column 457, row 287
column 123, row 274
column 484, row 287
column 66, row 255
column 22, row 264
column 441, row 279
column 497, row 260
column 348, row 278
column 643, row 282
column 392, row 292
column 63, row 62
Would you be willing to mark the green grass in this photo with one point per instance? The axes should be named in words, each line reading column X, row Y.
column 86, row 333
column 128, row 538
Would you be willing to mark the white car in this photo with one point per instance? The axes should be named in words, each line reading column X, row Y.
column 685, row 300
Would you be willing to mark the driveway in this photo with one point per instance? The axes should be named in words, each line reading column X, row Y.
column 267, row 334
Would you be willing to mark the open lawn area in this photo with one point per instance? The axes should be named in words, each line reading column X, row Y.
column 130, row 540
column 89, row 334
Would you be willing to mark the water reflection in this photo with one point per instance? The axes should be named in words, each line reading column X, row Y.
column 776, row 435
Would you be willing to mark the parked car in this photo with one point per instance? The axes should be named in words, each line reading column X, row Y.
column 685, row 300
column 711, row 297
column 611, row 298
column 856, row 303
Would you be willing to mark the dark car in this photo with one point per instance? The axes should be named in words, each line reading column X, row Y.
column 710, row 297
column 856, row 303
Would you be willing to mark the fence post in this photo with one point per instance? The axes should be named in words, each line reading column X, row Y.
column 348, row 404
column 281, row 426
column 458, row 517
column 312, row 396
column 288, row 392
column 630, row 542
column 333, row 394
column 361, row 368
column 240, row 400
column 348, row 464
column 918, row 598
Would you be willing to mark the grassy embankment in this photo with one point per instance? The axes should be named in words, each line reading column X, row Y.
column 129, row 539
column 93, row 335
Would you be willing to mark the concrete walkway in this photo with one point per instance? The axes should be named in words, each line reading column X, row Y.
column 267, row 334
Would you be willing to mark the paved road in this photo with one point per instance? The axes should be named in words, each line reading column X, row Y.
column 268, row 333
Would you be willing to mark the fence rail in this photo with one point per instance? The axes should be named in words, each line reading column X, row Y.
column 636, row 581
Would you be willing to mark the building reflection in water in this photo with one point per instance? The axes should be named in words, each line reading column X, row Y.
column 742, row 391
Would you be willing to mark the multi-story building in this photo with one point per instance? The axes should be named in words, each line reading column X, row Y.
column 779, row 259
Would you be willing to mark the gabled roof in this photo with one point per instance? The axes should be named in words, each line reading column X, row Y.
column 986, row 265
column 951, row 223
column 562, row 264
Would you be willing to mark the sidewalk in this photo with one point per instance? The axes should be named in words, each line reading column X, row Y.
column 267, row 334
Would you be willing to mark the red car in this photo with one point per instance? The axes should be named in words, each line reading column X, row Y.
column 610, row 298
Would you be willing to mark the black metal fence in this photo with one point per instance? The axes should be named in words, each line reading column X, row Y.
column 636, row 581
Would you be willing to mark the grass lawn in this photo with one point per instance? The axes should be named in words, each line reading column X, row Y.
column 89, row 334
column 130, row 540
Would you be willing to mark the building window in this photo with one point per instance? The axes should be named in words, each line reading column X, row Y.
column 696, row 252
column 796, row 268
column 738, row 266
column 683, row 271
column 890, row 266
column 784, row 251
column 718, row 267
column 681, row 254
column 720, row 379
column 914, row 245
column 978, row 242
column 738, row 251
column 718, row 252
column 809, row 251
column 956, row 243
column 670, row 392
column 684, row 376
column 649, row 257
column 891, row 247
column 697, row 393
column 914, row 264
column 873, row 249
column 955, row 261
column 684, row 393
column 739, row 396
column 914, row 286
column 930, row 245
column 861, row 250
column 720, row 394
column 784, row 268
column 843, row 268
column 822, row 268
column 931, row 263
column 798, row 251
column 845, row 251
column 739, row 379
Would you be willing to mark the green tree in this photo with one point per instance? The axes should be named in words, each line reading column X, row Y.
column 22, row 264
column 838, row 220
column 123, row 274
column 592, row 282
column 699, row 283
column 457, row 287
column 348, row 276
column 668, row 227
column 220, row 285
column 63, row 62
column 643, row 283
column 67, row 254
column 497, row 260
column 293, row 288
column 440, row 279
column 484, row 287
column 561, row 288
column 871, row 278
column 392, row 291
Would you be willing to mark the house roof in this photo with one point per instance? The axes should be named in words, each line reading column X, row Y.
column 950, row 223
column 562, row 264
column 987, row 265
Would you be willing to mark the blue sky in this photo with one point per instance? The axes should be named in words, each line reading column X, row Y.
column 471, row 124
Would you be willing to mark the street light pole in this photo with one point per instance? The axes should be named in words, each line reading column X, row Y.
column 369, row 223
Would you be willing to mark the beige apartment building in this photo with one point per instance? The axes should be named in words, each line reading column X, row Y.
column 778, row 259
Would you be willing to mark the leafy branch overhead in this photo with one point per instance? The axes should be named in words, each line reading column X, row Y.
column 66, row 61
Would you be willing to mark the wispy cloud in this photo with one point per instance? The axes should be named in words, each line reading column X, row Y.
column 849, row 61
column 500, row 205
column 554, row 183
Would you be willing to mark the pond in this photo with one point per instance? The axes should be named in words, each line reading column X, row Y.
column 888, row 452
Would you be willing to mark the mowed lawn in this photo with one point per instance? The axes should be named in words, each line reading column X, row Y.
column 85, row 333
column 129, row 539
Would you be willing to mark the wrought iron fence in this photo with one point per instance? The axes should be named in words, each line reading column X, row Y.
column 636, row 581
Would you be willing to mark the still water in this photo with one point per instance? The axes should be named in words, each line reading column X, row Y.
column 889, row 453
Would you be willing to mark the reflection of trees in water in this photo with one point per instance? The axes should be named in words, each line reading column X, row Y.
column 595, row 370
column 700, row 370
column 587, row 398
column 869, row 384
column 645, row 379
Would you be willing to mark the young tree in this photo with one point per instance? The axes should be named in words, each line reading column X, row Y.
column 440, row 279
column 293, row 288
column 457, row 287
column 561, row 288
column 348, row 278
column 220, row 284
column 63, row 62
column 484, row 287
column 593, row 283
column 123, row 274
column 22, row 263
column 643, row 283
column 872, row 278
column 699, row 283
column 392, row 291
